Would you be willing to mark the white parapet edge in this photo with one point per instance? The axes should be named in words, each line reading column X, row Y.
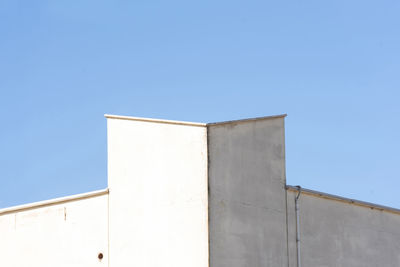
column 108, row 116
column 54, row 201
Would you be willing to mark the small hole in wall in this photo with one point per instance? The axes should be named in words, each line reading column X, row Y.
column 100, row 256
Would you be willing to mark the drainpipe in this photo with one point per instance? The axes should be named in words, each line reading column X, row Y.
column 297, row 211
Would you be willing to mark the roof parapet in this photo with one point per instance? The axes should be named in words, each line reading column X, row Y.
column 109, row 116
column 249, row 120
column 343, row 199
column 54, row 201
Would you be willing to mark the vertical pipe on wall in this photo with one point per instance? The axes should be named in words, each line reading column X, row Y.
column 297, row 211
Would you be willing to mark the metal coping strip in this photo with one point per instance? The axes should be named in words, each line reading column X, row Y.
column 55, row 201
column 343, row 199
column 108, row 116
column 249, row 120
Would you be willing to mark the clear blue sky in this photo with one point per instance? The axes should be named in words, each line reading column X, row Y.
column 332, row 66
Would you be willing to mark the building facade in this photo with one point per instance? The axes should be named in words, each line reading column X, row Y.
column 190, row 194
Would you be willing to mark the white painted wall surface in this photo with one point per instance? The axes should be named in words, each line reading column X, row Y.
column 61, row 235
column 157, row 175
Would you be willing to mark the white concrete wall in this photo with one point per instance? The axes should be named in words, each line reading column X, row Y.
column 67, row 234
column 334, row 233
column 157, row 175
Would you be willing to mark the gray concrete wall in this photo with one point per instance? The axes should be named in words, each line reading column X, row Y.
column 334, row 233
column 247, row 199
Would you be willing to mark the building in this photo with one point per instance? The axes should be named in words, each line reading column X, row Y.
column 186, row 194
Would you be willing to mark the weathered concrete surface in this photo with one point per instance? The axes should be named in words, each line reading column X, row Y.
column 158, row 194
column 333, row 233
column 67, row 234
column 247, row 202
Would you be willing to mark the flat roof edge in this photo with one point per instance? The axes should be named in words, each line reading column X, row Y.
column 198, row 124
column 118, row 117
column 343, row 199
column 54, row 201
column 248, row 120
